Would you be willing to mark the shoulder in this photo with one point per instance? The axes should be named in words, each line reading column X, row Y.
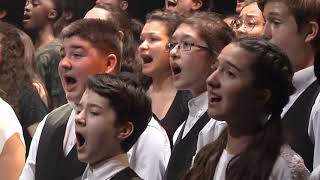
column 315, row 174
column 290, row 165
column 9, row 123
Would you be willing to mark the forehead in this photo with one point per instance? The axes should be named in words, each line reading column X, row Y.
column 155, row 26
column 97, row 13
column 75, row 42
column 273, row 8
column 185, row 31
column 251, row 9
column 236, row 55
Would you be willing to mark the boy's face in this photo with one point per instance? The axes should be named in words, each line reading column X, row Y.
column 97, row 136
column 190, row 68
column 37, row 13
column 79, row 60
column 281, row 29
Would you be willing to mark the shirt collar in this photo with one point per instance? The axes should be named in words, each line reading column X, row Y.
column 303, row 78
column 108, row 168
column 198, row 105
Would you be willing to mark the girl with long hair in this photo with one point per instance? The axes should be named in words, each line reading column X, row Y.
column 251, row 84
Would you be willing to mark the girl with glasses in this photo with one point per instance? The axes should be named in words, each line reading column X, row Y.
column 193, row 49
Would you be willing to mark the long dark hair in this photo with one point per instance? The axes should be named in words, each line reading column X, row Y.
column 272, row 71
column 13, row 74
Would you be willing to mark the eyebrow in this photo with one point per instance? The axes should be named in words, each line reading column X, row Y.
column 232, row 65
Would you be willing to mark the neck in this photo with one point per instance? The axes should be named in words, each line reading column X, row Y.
column 45, row 36
column 236, row 145
column 306, row 60
column 161, row 84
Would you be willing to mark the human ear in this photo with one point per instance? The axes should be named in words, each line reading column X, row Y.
column 125, row 131
column 53, row 14
column 111, row 64
column 312, row 30
column 124, row 5
column 196, row 5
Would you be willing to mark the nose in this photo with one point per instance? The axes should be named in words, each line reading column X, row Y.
column 213, row 80
column 174, row 54
column 65, row 63
column 241, row 30
column 27, row 6
column 80, row 118
column 143, row 45
column 97, row 1
column 267, row 31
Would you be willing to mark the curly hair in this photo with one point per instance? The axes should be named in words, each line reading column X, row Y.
column 13, row 74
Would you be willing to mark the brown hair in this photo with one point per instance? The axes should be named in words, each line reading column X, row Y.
column 13, row 74
column 272, row 70
column 212, row 29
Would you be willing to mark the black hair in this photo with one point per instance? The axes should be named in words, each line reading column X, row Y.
column 127, row 98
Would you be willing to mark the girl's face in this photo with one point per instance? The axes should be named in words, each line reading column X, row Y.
column 190, row 60
column 231, row 92
column 152, row 50
column 250, row 21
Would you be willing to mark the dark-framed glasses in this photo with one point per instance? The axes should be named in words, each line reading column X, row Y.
column 183, row 46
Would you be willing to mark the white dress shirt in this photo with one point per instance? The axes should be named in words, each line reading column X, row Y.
column 197, row 107
column 301, row 80
column 315, row 174
column 107, row 169
column 150, row 155
column 69, row 141
column 314, row 131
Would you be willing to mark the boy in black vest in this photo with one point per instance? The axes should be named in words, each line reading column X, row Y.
column 293, row 25
column 112, row 114
column 90, row 46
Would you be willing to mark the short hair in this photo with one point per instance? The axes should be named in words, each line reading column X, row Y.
column 170, row 19
column 303, row 12
column 103, row 35
column 128, row 100
column 212, row 29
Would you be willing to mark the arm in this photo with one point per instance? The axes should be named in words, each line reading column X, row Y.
column 30, row 166
column 12, row 158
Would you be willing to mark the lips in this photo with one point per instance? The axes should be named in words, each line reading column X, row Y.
column 80, row 141
column 70, row 82
column 214, row 98
column 26, row 17
column 146, row 59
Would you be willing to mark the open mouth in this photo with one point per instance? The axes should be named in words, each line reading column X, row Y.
column 70, row 80
column 146, row 59
column 80, row 140
column 175, row 69
column 26, row 17
column 215, row 99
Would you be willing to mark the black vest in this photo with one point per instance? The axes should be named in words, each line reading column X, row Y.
column 126, row 174
column 184, row 150
column 296, row 122
column 50, row 162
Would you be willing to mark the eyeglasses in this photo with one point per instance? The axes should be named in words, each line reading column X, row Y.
column 183, row 46
column 247, row 22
